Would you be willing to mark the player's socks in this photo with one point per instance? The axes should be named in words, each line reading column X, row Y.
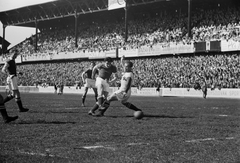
column 96, row 98
column 96, row 106
column 5, row 116
column 131, row 106
column 92, row 111
column 105, row 106
column 100, row 101
column 20, row 106
column 3, row 111
column 83, row 100
column 204, row 95
column 8, row 98
column 103, row 109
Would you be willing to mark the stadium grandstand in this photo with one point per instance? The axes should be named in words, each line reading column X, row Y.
column 174, row 43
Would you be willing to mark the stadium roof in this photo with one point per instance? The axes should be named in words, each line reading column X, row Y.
column 61, row 9
column 13, row 4
column 26, row 16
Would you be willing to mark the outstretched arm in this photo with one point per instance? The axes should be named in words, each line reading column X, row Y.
column 122, row 61
column 94, row 71
column 83, row 77
column 4, row 69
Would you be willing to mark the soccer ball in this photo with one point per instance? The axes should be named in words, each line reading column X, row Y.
column 138, row 114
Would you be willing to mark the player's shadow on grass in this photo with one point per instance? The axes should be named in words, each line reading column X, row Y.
column 151, row 116
column 54, row 112
column 44, row 122
column 165, row 116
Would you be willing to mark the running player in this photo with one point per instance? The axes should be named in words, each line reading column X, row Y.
column 105, row 71
column 89, row 83
column 124, row 92
column 10, row 68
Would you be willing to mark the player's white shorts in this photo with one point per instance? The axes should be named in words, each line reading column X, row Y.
column 12, row 82
column 101, row 85
column 90, row 83
column 121, row 97
column 59, row 90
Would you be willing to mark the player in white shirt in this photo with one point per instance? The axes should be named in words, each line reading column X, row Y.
column 124, row 92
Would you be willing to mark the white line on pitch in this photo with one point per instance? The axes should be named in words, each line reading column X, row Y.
column 198, row 140
column 132, row 144
column 206, row 139
column 93, row 147
column 72, row 108
column 40, row 154
column 110, row 147
column 37, row 154
column 98, row 146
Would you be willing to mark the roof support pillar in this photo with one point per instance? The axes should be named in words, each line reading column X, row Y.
column 126, row 20
column 189, row 19
column 76, row 28
column 3, row 45
column 36, row 36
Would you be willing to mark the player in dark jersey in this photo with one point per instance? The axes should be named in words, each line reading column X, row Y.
column 55, row 88
column 201, row 85
column 105, row 71
column 88, row 83
column 3, row 111
column 11, row 69
column 204, row 87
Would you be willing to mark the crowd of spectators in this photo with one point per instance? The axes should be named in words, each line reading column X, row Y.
column 215, row 24
column 219, row 70
column 222, row 24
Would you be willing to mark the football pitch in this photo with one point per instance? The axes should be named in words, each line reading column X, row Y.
column 174, row 130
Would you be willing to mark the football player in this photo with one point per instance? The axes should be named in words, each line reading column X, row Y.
column 124, row 92
column 204, row 87
column 201, row 85
column 10, row 68
column 105, row 71
column 89, row 83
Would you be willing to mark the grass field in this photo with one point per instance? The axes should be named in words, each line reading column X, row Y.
column 174, row 130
